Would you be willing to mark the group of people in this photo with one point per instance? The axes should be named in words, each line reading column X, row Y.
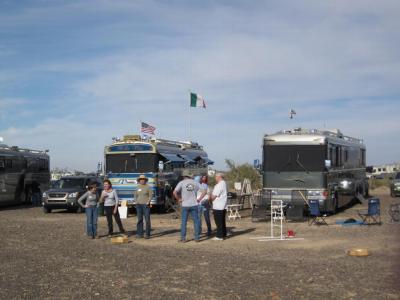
column 193, row 194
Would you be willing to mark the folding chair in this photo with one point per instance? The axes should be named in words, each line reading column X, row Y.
column 394, row 212
column 171, row 205
column 315, row 216
column 373, row 214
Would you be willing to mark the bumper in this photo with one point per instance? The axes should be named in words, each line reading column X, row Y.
column 396, row 192
column 60, row 204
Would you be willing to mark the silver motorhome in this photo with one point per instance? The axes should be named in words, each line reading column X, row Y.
column 20, row 169
column 317, row 164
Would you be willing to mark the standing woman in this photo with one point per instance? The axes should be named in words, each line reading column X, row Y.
column 91, row 199
column 204, row 204
column 110, row 199
column 142, row 196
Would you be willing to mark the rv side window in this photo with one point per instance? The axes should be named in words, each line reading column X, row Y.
column 363, row 157
column 9, row 164
column 346, row 155
column 2, row 164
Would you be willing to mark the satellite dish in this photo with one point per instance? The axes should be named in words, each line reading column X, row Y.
column 292, row 113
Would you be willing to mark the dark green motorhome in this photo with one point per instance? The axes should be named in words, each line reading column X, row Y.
column 319, row 164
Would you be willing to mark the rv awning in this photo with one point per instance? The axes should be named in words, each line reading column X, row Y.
column 186, row 158
column 207, row 160
column 172, row 157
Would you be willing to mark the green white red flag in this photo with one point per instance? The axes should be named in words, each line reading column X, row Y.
column 197, row 101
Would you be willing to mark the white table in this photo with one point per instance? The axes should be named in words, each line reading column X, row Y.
column 233, row 211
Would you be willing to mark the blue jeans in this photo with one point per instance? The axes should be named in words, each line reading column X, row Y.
column 143, row 209
column 205, row 210
column 194, row 212
column 36, row 199
column 91, row 220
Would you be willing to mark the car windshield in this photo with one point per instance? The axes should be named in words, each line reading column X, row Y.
column 66, row 183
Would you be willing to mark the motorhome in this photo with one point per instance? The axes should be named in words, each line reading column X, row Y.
column 20, row 170
column 160, row 160
column 314, row 164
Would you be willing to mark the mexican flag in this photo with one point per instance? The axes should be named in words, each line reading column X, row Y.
column 197, row 101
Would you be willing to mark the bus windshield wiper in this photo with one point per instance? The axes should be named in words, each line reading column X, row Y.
column 285, row 165
column 300, row 164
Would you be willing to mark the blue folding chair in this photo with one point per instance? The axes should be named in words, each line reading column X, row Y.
column 315, row 216
column 373, row 214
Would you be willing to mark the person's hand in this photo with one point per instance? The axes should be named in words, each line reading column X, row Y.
column 115, row 211
column 86, row 206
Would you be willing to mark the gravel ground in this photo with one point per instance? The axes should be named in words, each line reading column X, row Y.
column 48, row 256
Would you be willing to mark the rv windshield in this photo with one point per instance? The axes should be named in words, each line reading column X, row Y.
column 294, row 158
column 132, row 163
column 68, row 183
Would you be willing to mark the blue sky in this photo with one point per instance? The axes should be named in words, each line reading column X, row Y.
column 73, row 74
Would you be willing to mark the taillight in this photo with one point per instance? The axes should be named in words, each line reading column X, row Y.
column 325, row 193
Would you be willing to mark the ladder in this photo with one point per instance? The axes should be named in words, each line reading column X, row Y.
column 277, row 217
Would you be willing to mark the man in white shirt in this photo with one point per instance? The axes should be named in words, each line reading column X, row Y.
column 219, row 198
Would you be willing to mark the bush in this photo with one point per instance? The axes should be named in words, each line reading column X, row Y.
column 237, row 173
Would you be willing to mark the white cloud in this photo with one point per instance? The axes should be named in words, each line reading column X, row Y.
column 252, row 63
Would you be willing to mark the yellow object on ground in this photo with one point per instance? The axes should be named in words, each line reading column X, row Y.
column 358, row 252
column 119, row 239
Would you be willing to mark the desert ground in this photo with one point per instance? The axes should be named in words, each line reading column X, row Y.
column 48, row 256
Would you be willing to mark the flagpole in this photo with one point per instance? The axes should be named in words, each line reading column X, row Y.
column 190, row 106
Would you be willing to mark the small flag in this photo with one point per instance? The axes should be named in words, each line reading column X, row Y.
column 197, row 101
column 146, row 128
column 292, row 113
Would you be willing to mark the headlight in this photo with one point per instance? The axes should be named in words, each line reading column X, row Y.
column 44, row 195
column 73, row 195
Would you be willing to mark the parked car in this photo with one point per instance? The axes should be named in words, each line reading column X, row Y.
column 395, row 186
column 66, row 192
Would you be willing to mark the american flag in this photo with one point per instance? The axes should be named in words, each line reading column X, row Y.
column 146, row 128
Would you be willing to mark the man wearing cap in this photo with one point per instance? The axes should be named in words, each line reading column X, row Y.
column 186, row 193
column 142, row 196
column 219, row 198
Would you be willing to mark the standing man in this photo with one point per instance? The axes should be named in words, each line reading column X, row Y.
column 219, row 198
column 186, row 193
column 142, row 196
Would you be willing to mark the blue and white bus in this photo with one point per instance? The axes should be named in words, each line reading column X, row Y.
column 161, row 161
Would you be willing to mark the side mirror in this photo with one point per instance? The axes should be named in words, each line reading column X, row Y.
column 161, row 165
column 328, row 163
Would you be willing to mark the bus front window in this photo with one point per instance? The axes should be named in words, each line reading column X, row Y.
column 132, row 163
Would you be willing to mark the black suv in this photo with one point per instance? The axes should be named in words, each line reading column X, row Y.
column 65, row 194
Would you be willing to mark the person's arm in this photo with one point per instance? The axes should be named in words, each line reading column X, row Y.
column 150, row 193
column 177, row 191
column 102, row 196
column 83, row 197
column 116, row 201
column 215, row 193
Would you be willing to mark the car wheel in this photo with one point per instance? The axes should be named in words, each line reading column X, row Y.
column 46, row 210
column 80, row 210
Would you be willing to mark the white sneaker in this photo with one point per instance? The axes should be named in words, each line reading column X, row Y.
column 217, row 239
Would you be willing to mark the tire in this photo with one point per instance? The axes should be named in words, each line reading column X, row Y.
column 79, row 210
column 27, row 196
column 46, row 210
column 335, row 206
